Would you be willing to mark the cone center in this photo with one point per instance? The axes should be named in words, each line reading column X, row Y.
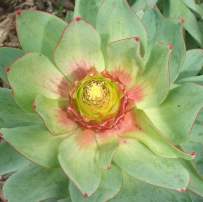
column 97, row 98
column 95, row 93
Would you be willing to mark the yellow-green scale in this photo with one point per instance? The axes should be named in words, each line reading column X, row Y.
column 97, row 98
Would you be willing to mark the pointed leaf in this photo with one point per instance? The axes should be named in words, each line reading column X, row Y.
column 136, row 160
column 193, row 63
column 116, row 21
column 194, row 6
column 123, row 57
column 195, row 144
column 53, row 112
column 7, row 57
column 137, row 191
column 195, row 197
column 143, row 4
column 87, row 10
column 179, row 11
column 11, row 114
column 196, row 182
column 39, row 77
column 78, row 162
column 154, row 140
column 192, row 147
column 34, row 183
column 35, row 143
column 192, row 79
column 170, row 118
column 164, row 30
column 110, row 185
column 41, row 28
column 155, row 75
column 105, row 152
column 79, row 50
column 11, row 161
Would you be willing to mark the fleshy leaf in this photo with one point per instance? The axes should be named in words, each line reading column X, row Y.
column 179, row 11
column 87, row 10
column 11, row 161
column 105, row 152
column 137, row 191
column 197, row 149
column 77, row 159
column 192, row 79
column 34, row 183
column 116, row 21
column 193, row 63
column 7, row 57
column 53, row 112
column 195, row 145
column 139, row 162
column 198, row 8
column 195, row 197
column 164, row 30
column 196, row 182
column 39, row 77
column 143, row 4
column 154, row 140
column 11, row 115
column 170, row 118
column 79, row 50
column 155, row 75
column 35, row 143
column 110, row 185
column 37, row 31
column 123, row 57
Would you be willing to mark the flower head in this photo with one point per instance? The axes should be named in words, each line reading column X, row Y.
column 107, row 101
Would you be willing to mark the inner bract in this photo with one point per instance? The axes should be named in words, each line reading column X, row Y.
column 97, row 102
column 97, row 98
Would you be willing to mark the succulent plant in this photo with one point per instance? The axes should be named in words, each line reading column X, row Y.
column 190, row 14
column 187, row 12
column 101, row 109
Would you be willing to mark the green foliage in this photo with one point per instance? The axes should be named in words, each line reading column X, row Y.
column 43, row 184
column 54, row 153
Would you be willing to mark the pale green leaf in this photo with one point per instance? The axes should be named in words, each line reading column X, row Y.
column 35, row 143
column 39, row 31
column 34, row 183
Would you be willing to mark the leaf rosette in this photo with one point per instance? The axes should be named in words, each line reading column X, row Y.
column 111, row 104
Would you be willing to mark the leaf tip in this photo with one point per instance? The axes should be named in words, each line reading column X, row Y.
column 170, row 46
column 85, row 195
column 181, row 20
column 34, row 106
column 109, row 167
column 7, row 70
column 1, row 137
column 137, row 39
column 13, row 93
column 18, row 12
column 182, row 190
column 193, row 154
column 78, row 18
